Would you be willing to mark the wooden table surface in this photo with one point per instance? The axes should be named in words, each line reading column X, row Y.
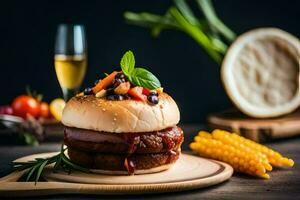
column 284, row 184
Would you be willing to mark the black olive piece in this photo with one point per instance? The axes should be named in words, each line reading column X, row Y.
column 120, row 76
column 110, row 91
column 88, row 91
column 153, row 99
column 153, row 93
column 117, row 81
column 110, row 97
column 120, row 97
column 126, row 96
column 125, row 79
column 115, row 97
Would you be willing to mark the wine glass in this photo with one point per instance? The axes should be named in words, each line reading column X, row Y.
column 70, row 58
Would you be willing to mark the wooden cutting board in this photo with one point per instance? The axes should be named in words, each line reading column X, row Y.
column 190, row 172
column 259, row 130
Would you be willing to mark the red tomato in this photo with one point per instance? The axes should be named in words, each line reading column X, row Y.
column 146, row 91
column 137, row 93
column 44, row 110
column 25, row 105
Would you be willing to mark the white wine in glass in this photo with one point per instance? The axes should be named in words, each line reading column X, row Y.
column 70, row 58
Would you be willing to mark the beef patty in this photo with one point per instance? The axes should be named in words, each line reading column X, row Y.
column 124, row 143
column 122, row 162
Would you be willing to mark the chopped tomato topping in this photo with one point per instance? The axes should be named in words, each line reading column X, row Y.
column 146, row 91
column 137, row 93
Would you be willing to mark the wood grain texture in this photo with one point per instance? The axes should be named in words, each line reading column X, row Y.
column 190, row 172
column 284, row 183
column 259, row 130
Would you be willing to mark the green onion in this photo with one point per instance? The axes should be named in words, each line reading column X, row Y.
column 208, row 32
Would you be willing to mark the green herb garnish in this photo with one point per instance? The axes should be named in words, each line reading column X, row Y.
column 36, row 167
column 138, row 76
column 29, row 139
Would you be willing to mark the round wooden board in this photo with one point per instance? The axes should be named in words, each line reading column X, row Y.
column 190, row 172
column 259, row 130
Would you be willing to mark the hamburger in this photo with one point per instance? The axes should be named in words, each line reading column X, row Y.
column 121, row 126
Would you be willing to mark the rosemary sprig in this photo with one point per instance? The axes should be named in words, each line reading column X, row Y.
column 34, row 168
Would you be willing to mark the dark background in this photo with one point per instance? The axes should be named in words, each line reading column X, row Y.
column 28, row 28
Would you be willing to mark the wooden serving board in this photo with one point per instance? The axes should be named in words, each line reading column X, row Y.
column 259, row 130
column 190, row 172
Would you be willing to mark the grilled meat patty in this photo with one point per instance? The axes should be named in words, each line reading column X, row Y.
column 124, row 143
column 122, row 162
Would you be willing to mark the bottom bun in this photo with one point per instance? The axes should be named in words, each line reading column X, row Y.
column 116, row 163
column 139, row 171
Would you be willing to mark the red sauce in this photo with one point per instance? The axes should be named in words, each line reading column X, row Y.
column 129, row 165
column 167, row 138
column 172, row 156
column 132, row 141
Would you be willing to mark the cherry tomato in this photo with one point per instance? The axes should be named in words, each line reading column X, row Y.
column 44, row 110
column 6, row 110
column 25, row 105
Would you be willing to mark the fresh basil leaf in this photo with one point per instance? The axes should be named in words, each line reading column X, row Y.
column 144, row 78
column 127, row 63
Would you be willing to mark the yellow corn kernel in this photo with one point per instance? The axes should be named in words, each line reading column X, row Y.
column 274, row 157
column 204, row 134
column 235, row 157
column 226, row 138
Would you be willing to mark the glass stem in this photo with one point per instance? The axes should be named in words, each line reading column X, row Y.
column 69, row 93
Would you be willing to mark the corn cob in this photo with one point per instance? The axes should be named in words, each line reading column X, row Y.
column 240, row 160
column 274, row 157
column 246, row 154
column 224, row 137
